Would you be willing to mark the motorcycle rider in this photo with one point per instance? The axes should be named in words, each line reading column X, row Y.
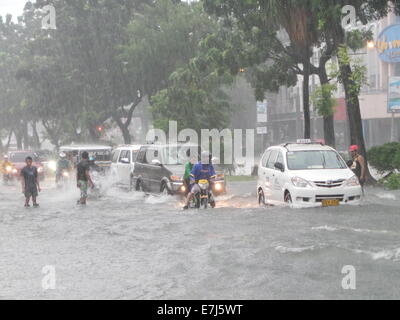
column 203, row 170
column 186, row 177
column 6, row 163
column 63, row 164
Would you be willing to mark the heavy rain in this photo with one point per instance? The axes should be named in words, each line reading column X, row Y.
column 199, row 150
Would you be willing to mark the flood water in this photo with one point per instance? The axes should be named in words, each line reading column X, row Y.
column 128, row 245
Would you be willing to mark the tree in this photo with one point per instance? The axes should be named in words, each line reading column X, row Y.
column 268, row 18
column 164, row 52
column 330, row 12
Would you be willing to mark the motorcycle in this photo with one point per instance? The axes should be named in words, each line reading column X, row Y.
column 204, row 198
column 8, row 176
column 63, row 178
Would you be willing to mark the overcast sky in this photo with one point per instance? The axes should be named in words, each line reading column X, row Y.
column 15, row 7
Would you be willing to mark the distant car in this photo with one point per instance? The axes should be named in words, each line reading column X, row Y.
column 306, row 174
column 18, row 159
column 164, row 171
column 123, row 163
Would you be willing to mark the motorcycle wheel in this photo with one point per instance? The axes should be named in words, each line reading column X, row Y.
column 197, row 201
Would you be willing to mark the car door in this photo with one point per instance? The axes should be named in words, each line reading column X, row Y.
column 134, row 155
column 278, row 179
column 155, row 170
column 141, row 169
column 124, row 166
column 114, row 165
column 263, row 179
column 270, row 175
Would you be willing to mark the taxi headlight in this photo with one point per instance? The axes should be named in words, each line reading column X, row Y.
column 300, row 182
column 176, row 178
column 353, row 182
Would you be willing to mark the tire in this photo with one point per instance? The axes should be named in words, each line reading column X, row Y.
column 197, row 201
column 164, row 190
column 261, row 198
column 288, row 198
column 205, row 203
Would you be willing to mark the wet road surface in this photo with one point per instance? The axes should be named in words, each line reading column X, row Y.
column 128, row 245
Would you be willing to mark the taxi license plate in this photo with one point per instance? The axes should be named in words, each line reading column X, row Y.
column 330, row 202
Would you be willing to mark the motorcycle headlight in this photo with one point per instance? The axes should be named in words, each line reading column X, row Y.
column 40, row 170
column 8, row 169
column 300, row 182
column 203, row 186
column 353, row 182
column 66, row 174
column 14, row 171
column 52, row 165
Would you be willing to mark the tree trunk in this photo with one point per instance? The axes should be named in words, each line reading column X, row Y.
column 9, row 140
column 329, row 126
column 124, row 126
column 54, row 137
column 18, row 136
column 306, row 99
column 36, row 138
column 126, row 134
column 27, row 142
column 354, row 114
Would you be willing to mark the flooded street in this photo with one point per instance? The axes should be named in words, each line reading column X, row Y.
column 131, row 246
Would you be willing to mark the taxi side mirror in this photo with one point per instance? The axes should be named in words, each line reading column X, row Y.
column 279, row 166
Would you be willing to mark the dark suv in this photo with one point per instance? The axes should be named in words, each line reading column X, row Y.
column 160, row 168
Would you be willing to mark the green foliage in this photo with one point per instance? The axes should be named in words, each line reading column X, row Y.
column 358, row 76
column 392, row 182
column 323, row 99
column 386, row 157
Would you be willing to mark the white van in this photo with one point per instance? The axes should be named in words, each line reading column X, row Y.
column 306, row 174
column 123, row 163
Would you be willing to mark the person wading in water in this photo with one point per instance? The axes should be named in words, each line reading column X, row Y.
column 358, row 165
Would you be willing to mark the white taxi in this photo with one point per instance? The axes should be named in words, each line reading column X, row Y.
column 307, row 175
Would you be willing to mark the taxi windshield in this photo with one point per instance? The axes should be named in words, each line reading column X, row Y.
column 315, row 159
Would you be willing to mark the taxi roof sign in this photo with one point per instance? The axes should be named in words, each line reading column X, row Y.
column 303, row 141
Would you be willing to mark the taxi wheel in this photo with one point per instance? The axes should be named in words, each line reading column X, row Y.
column 261, row 198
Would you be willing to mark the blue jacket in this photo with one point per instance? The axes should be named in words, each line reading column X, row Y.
column 202, row 172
